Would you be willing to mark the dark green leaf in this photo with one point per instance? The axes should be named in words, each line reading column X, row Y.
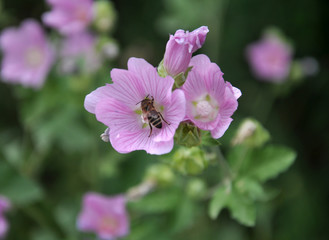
column 268, row 162
column 219, row 200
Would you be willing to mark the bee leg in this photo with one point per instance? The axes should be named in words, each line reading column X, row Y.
column 150, row 129
column 163, row 118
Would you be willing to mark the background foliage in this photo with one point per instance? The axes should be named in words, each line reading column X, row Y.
column 51, row 154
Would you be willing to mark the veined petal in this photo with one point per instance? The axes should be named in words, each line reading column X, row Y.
column 117, row 116
column 174, row 114
column 229, row 104
column 127, row 87
column 153, row 84
column 95, row 97
column 210, row 73
column 221, row 128
column 194, row 86
column 128, row 141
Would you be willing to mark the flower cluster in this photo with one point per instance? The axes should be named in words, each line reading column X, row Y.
column 28, row 55
column 142, row 110
column 4, row 206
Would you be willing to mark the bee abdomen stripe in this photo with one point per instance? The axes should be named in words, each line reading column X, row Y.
column 156, row 122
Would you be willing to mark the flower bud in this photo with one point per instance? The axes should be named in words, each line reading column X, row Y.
column 188, row 135
column 189, row 160
column 180, row 47
column 160, row 173
column 105, row 16
column 196, row 188
column 251, row 133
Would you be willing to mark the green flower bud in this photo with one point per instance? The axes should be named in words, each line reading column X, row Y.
column 251, row 133
column 160, row 173
column 105, row 16
column 108, row 47
column 161, row 70
column 189, row 160
column 188, row 135
column 179, row 78
column 196, row 188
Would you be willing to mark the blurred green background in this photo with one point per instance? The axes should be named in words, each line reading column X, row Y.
column 51, row 157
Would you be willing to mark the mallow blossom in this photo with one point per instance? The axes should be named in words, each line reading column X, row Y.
column 77, row 47
column 210, row 101
column 4, row 206
column 270, row 58
column 180, row 47
column 69, row 16
column 118, row 106
column 105, row 216
column 27, row 56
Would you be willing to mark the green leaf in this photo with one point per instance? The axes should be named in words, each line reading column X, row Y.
column 16, row 187
column 184, row 215
column 242, row 209
column 267, row 163
column 253, row 189
column 219, row 200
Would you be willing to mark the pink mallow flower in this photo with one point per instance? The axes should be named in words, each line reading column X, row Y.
column 105, row 216
column 69, row 16
column 270, row 58
column 210, row 101
column 27, row 56
column 180, row 47
column 4, row 206
column 118, row 106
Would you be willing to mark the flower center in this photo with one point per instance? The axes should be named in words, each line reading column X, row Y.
column 205, row 109
column 108, row 224
column 34, row 56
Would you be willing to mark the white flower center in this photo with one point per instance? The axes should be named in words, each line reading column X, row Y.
column 205, row 109
column 34, row 56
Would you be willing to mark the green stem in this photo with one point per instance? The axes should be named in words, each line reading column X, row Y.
column 225, row 168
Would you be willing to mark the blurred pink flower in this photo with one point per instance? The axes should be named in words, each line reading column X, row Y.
column 27, row 56
column 118, row 106
column 77, row 47
column 69, row 16
column 210, row 101
column 270, row 58
column 4, row 206
column 105, row 216
column 180, row 47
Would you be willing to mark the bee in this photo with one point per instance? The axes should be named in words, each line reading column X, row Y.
column 151, row 114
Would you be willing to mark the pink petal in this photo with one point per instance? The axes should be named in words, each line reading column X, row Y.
column 194, row 86
column 229, row 105
column 210, row 73
column 153, row 84
column 221, row 128
column 128, row 141
column 127, row 87
column 95, row 97
column 117, row 116
column 173, row 114
column 3, row 226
